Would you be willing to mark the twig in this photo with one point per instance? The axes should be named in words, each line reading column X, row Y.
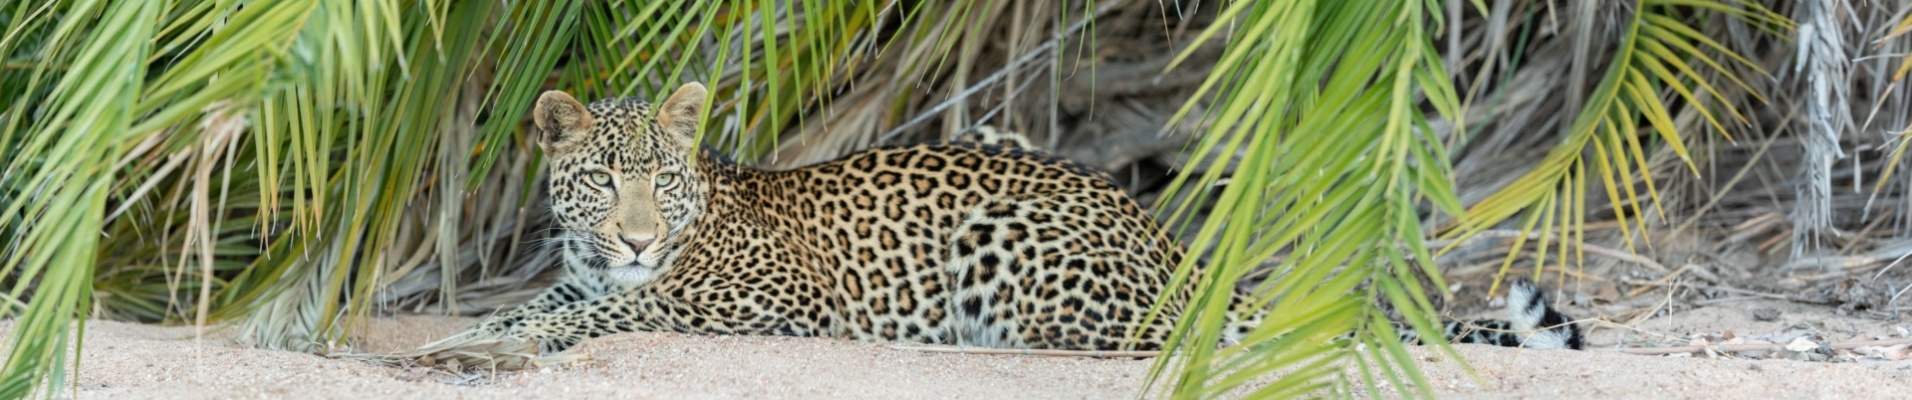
column 1728, row 289
column 1664, row 304
column 938, row 348
column 1724, row 300
column 1795, row 299
column 1590, row 248
column 1623, row 256
column 1603, row 322
column 1659, row 282
column 1731, row 348
column 992, row 78
column 1703, row 273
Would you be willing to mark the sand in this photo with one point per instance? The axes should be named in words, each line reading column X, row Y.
column 141, row 361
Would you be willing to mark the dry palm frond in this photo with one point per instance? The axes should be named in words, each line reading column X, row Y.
column 1890, row 92
column 1822, row 65
column 470, row 349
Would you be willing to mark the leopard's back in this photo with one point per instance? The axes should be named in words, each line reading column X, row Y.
column 956, row 242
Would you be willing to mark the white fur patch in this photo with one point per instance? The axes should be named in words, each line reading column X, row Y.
column 1547, row 339
column 1522, row 312
column 631, row 275
column 1525, row 309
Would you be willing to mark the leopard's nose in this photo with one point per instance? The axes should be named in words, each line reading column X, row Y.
column 638, row 244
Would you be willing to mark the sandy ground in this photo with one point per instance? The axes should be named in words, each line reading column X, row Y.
column 138, row 361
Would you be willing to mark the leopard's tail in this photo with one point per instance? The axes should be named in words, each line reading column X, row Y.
column 1530, row 323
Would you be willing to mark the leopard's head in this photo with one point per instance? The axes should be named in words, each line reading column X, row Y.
column 622, row 187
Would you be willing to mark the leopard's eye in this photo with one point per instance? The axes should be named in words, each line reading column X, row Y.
column 600, row 178
column 665, row 180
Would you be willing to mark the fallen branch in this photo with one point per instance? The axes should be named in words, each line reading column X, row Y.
column 938, row 348
column 1730, row 348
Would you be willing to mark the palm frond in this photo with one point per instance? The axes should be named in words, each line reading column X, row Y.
column 1823, row 65
column 55, row 212
column 1324, row 99
column 381, row 174
column 1894, row 41
column 1655, row 55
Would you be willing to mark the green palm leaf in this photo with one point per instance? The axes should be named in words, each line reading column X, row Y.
column 62, row 192
column 1324, row 98
column 1655, row 55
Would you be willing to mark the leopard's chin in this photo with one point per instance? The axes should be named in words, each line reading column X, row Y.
column 631, row 275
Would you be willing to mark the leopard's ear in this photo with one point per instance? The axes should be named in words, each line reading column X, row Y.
column 679, row 114
column 561, row 120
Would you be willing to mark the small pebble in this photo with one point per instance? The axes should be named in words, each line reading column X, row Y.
column 1766, row 314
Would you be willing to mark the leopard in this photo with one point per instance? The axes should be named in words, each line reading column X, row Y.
column 981, row 241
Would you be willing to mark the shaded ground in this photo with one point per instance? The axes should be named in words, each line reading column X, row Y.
column 138, row 361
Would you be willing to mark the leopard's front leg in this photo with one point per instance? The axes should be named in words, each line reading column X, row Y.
column 569, row 324
column 566, row 291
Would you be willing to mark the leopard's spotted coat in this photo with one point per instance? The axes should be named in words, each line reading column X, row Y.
column 951, row 243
